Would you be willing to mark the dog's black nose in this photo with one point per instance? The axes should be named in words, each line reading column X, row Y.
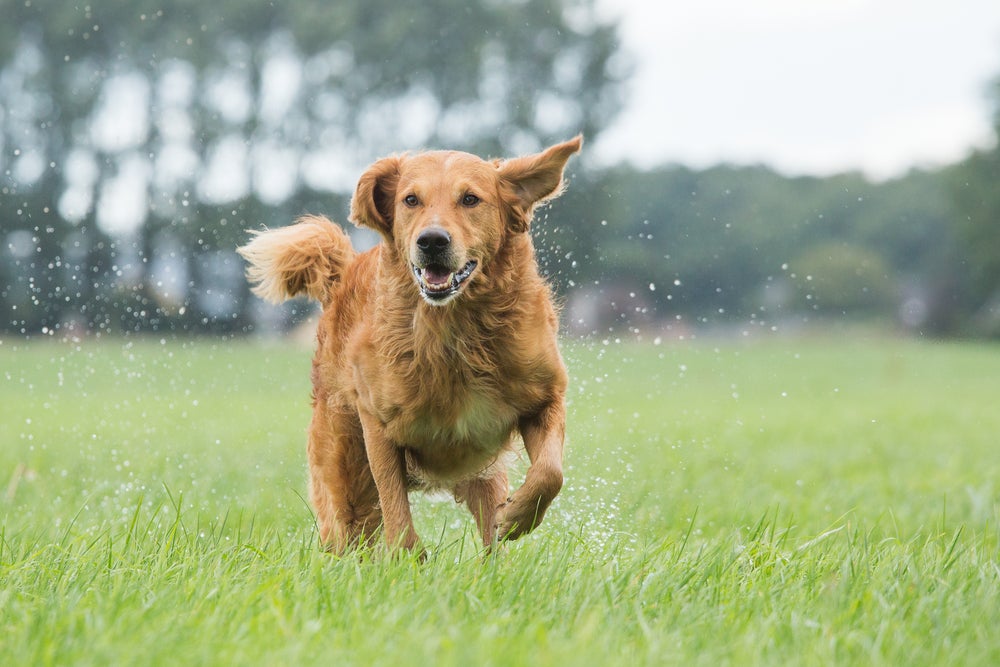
column 433, row 240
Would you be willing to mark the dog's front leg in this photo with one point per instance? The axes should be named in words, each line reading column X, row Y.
column 388, row 466
column 543, row 440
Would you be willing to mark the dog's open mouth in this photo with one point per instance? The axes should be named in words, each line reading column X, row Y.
column 437, row 283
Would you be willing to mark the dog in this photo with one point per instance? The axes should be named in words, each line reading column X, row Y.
column 435, row 349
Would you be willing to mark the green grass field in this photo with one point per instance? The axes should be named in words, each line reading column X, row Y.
column 808, row 501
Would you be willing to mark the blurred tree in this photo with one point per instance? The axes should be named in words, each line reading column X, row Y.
column 837, row 278
column 721, row 244
column 139, row 140
column 975, row 187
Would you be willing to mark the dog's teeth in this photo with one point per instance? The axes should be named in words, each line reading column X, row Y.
column 444, row 284
column 436, row 284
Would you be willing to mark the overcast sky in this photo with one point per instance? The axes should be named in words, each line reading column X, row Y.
column 807, row 86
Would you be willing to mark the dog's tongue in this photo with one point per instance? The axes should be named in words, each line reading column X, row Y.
column 437, row 275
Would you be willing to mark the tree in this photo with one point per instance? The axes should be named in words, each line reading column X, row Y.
column 729, row 244
column 220, row 116
column 834, row 279
column 975, row 186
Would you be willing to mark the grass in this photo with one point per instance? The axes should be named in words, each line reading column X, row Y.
column 776, row 502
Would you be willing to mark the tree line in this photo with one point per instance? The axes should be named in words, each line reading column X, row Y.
column 730, row 244
column 140, row 143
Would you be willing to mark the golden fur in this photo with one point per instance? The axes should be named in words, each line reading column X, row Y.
column 435, row 348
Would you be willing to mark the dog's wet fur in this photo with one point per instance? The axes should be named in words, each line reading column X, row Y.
column 436, row 349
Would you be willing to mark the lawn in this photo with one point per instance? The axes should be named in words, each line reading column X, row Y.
column 803, row 501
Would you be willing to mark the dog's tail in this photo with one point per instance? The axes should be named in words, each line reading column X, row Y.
column 307, row 257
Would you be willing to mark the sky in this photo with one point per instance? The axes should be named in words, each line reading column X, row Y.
column 806, row 86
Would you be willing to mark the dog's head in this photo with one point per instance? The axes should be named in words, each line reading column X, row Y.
column 446, row 214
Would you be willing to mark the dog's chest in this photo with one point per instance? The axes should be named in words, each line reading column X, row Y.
column 469, row 419
column 457, row 394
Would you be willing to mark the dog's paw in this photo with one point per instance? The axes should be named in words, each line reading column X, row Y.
column 514, row 519
column 406, row 544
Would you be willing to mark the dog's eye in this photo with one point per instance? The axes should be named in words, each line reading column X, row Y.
column 411, row 200
column 470, row 199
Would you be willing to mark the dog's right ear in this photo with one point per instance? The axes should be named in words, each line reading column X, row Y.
column 374, row 201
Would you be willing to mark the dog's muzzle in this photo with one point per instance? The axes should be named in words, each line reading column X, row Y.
column 435, row 266
column 438, row 284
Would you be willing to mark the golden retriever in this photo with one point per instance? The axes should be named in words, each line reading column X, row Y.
column 435, row 348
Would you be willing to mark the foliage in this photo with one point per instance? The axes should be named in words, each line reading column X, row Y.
column 827, row 501
column 717, row 245
column 372, row 54
column 207, row 120
column 835, row 278
column 139, row 142
column 974, row 186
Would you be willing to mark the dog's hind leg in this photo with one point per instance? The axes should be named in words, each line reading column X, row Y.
column 483, row 496
column 341, row 486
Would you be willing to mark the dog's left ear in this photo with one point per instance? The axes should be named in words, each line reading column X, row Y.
column 527, row 181
column 374, row 202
